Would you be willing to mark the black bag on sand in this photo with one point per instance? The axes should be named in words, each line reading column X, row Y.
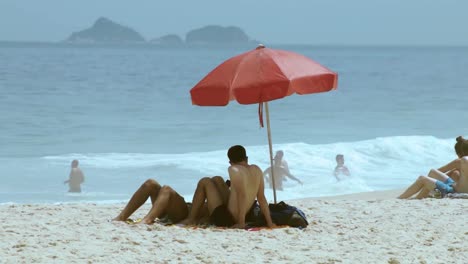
column 281, row 214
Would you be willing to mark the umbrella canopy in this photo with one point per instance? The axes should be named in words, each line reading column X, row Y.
column 262, row 75
column 259, row 76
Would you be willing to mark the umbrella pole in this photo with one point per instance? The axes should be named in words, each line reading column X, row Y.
column 271, row 151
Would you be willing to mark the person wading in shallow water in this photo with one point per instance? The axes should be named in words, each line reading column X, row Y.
column 76, row 178
column 340, row 168
column 280, row 170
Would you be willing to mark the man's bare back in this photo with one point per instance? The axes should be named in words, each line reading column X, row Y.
column 461, row 185
column 246, row 185
column 246, row 180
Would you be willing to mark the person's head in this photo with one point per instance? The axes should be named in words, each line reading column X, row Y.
column 340, row 159
column 237, row 154
column 74, row 163
column 461, row 147
column 279, row 155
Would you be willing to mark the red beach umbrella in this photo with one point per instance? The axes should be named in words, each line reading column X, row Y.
column 259, row 76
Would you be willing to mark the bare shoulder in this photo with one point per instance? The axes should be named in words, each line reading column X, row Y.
column 76, row 171
column 254, row 169
column 251, row 169
column 233, row 168
column 237, row 170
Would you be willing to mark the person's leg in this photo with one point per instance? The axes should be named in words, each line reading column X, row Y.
column 150, row 188
column 168, row 202
column 222, row 188
column 206, row 190
column 438, row 175
column 454, row 174
column 423, row 182
column 435, row 174
column 424, row 193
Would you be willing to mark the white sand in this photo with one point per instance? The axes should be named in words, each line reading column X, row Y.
column 343, row 229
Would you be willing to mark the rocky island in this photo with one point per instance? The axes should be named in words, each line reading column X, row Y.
column 168, row 40
column 217, row 35
column 106, row 31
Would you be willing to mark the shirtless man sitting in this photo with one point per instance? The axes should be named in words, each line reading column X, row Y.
column 226, row 207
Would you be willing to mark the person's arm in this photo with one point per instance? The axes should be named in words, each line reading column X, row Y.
column 285, row 168
column 236, row 184
column 454, row 164
column 292, row 177
column 263, row 203
column 69, row 177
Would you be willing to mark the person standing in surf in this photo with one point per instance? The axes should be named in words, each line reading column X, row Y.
column 340, row 168
column 75, row 179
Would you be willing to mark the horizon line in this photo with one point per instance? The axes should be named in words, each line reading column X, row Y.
column 149, row 43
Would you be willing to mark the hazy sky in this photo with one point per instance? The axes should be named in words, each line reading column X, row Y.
column 354, row 22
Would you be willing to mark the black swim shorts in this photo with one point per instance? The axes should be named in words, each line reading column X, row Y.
column 222, row 217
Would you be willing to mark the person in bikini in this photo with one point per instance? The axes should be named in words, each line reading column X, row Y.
column 450, row 178
column 229, row 207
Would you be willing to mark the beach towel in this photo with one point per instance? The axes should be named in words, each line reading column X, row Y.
column 438, row 195
column 457, row 195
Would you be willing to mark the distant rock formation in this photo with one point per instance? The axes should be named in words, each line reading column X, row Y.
column 106, row 31
column 216, row 35
column 168, row 40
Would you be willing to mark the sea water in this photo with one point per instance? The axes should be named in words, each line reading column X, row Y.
column 125, row 113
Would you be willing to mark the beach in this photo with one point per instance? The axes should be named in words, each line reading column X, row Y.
column 125, row 111
column 369, row 227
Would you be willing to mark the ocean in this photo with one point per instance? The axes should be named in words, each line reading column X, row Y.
column 125, row 113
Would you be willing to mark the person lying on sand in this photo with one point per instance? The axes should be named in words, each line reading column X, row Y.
column 166, row 202
column 450, row 178
column 229, row 207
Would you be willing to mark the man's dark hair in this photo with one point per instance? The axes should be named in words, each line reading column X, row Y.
column 237, row 154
